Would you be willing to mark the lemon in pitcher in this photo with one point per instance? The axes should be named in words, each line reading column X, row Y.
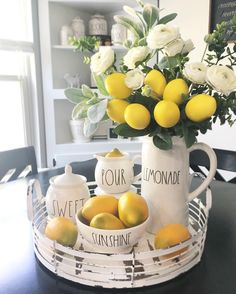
column 114, row 153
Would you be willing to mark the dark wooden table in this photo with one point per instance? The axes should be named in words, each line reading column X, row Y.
column 20, row 272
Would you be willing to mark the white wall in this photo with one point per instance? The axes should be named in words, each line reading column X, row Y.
column 193, row 21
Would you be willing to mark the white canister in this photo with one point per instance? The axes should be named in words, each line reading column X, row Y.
column 66, row 194
column 118, row 34
column 77, row 130
column 78, row 27
column 98, row 25
column 65, row 33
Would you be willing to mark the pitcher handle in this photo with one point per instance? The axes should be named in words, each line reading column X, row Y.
column 213, row 165
column 138, row 176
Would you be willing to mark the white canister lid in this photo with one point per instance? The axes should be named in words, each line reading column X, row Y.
column 68, row 178
column 77, row 18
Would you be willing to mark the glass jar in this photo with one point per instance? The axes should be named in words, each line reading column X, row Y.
column 78, row 27
column 98, row 25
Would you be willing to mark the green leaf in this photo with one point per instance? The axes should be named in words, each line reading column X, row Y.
column 80, row 110
column 142, row 42
column 87, row 92
column 89, row 128
column 150, row 15
column 163, row 142
column 97, row 111
column 168, row 62
column 189, row 136
column 75, row 95
column 167, row 18
column 125, row 130
column 99, row 79
column 130, row 25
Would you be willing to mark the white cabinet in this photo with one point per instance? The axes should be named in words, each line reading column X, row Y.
column 58, row 60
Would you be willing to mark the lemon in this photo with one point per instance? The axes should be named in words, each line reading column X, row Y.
column 114, row 153
column 62, row 230
column 156, row 80
column 171, row 235
column 116, row 87
column 132, row 209
column 99, row 204
column 166, row 114
column 106, row 221
column 200, row 107
column 116, row 109
column 174, row 91
column 137, row 116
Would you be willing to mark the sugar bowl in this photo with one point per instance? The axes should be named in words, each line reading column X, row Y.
column 66, row 194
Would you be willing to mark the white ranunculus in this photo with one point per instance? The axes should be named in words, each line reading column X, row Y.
column 102, row 60
column 221, row 78
column 134, row 79
column 134, row 55
column 188, row 46
column 161, row 35
column 195, row 72
column 174, row 47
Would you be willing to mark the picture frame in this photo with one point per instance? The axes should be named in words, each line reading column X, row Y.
column 222, row 10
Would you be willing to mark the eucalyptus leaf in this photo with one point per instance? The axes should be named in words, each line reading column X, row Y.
column 97, row 111
column 130, row 25
column 167, row 18
column 99, row 79
column 75, row 95
column 87, row 92
column 168, row 62
column 163, row 142
column 142, row 42
column 150, row 14
column 80, row 110
column 89, row 128
column 125, row 130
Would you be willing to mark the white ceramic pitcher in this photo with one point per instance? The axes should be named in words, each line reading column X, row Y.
column 165, row 181
column 115, row 174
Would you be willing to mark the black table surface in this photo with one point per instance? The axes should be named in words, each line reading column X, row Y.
column 21, row 272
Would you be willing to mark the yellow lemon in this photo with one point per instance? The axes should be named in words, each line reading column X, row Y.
column 171, row 235
column 200, row 107
column 106, row 221
column 156, row 80
column 116, row 87
column 99, row 204
column 116, row 109
column 62, row 230
column 132, row 209
column 114, row 153
column 174, row 90
column 166, row 114
column 137, row 116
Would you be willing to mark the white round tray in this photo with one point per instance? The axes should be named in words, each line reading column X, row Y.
column 143, row 266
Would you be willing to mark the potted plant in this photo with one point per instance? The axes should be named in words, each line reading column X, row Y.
column 89, row 110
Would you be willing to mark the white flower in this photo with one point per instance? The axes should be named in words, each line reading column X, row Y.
column 195, row 72
column 134, row 79
column 174, row 47
column 188, row 46
column 221, row 78
column 102, row 60
column 134, row 55
column 161, row 35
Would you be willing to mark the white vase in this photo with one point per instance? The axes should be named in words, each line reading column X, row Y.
column 165, row 181
column 77, row 131
column 97, row 25
column 78, row 27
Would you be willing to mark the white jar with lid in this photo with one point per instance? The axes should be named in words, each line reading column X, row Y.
column 118, row 34
column 65, row 33
column 66, row 194
column 78, row 27
column 97, row 25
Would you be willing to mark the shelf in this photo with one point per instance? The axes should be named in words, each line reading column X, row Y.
column 101, row 6
column 116, row 48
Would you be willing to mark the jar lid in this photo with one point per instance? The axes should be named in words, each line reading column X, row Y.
column 68, row 178
column 98, row 16
column 77, row 18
